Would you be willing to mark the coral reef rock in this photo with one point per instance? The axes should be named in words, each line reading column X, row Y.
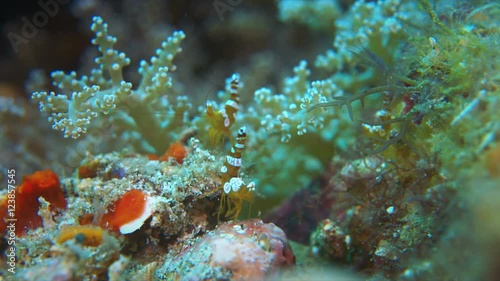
column 245, row 250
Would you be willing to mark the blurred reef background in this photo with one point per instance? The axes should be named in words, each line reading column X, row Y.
column 250, row 140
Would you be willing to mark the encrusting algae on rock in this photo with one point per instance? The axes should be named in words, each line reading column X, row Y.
column 379, row 156
column 150, row 208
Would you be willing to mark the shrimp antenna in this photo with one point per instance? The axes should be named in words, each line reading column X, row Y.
column 208, row 94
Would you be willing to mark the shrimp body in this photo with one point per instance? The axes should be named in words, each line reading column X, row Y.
column 235, row 191
column 222, row 120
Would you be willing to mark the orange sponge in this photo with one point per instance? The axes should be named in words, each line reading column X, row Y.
column 176, row 151
column 129, row 212
column 88, row 235
column 24, row 207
